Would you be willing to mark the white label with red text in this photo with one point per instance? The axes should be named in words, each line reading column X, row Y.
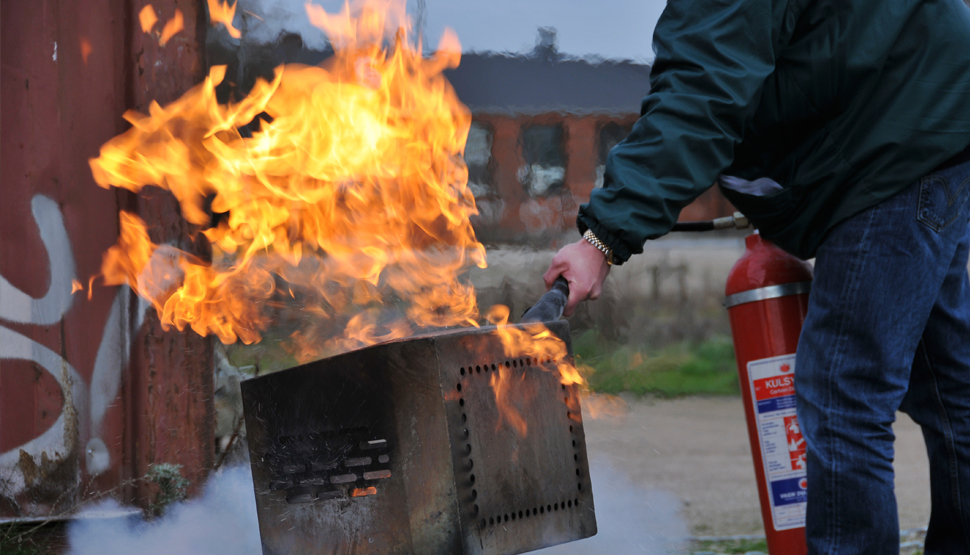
column 772, row 382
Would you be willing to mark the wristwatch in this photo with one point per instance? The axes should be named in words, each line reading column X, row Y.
column 594, row 240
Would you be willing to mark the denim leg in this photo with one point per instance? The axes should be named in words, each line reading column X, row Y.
column 939, row 400
column 877, row 277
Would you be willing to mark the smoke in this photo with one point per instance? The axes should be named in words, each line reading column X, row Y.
column 629, row 517
column 221, row 521
column 264, row 21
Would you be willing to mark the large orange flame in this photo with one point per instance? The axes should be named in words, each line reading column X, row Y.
column 339, row 189
column 358, row 163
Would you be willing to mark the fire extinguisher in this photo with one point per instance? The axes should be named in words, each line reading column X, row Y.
column 767, row 299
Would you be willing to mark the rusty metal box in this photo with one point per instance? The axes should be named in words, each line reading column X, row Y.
column 400, row 448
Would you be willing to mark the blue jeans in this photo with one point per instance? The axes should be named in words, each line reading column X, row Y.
column 888, row 328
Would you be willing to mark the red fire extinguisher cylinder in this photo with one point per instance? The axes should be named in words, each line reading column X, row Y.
column 767, row 299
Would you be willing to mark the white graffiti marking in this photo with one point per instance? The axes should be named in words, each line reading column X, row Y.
column 17, row 306
column 88, row 404
column 58, row 440
column 112, row 359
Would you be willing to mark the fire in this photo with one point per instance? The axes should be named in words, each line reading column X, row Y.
column 350, row 190
column 536, row 342
column 503, row 382
column 362, row 492
column 172, row 26
column 147, row 18
column 601, row 406
column 335, row 199
column 222, row 12
column 85, row 50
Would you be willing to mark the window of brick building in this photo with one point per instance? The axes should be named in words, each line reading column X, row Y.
column 478, row 158
column 610, row 135
column 544, row 151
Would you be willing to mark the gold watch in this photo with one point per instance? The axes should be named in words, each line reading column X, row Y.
column 594, row 240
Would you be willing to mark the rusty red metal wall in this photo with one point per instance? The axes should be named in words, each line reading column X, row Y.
column 91, row 391
column 171, row 386
column 514, row 216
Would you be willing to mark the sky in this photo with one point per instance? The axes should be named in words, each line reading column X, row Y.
column 615, row 29
column 611, row 29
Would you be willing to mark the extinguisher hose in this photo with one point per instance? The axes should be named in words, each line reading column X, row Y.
column 694, row 226
column 735, row 221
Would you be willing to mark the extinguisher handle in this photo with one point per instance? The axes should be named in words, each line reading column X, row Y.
column 550, row 306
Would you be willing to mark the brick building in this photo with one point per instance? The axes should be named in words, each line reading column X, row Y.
column 542, row 127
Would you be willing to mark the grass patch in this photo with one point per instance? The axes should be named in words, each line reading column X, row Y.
column 732, row 547
column 707, row 368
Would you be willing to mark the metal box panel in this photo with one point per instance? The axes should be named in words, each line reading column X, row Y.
column 381, row 451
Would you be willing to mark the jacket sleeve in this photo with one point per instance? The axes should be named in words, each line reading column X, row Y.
column 712, row 59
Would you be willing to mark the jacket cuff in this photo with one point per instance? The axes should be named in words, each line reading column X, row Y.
column 620, row 252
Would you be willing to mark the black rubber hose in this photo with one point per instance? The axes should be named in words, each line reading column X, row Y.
column 693, row 226
column 549, row 307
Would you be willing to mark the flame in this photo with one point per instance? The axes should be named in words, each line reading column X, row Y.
column 85, row 50
column 222, row 12
column 601, row 406
column 534, row 341
column 362, row 492
column 172, row 26
column 76, row 286
column 147, row 18
column 503, row 382
column 537, row 342
column 352, row 191
column 335, row 200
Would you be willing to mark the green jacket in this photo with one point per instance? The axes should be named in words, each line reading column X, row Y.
column 842, row 102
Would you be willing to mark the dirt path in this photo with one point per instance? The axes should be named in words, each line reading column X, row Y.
column 697, row 450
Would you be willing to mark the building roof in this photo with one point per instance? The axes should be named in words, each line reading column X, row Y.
column 546, row 82
column 540, row 81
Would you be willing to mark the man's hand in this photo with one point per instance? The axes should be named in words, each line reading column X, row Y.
column 584, row 267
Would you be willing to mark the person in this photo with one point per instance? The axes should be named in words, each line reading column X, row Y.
column 841, row 129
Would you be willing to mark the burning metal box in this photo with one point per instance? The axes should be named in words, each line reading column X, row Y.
column 401, row 448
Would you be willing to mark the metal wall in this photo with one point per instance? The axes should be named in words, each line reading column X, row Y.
column 91, row 391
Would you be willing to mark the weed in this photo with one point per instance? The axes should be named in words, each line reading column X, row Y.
column 27, row 538
column 732, row 547
column 680, row 369
column 172, row 486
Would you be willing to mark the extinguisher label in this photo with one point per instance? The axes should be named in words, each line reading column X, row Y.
column 782, row 444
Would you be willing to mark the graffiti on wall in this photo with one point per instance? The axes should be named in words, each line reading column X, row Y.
column 85, row 403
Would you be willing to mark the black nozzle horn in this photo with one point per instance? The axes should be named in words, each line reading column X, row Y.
column 550, row 306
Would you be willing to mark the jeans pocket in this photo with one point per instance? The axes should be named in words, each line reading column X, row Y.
column 943, row 196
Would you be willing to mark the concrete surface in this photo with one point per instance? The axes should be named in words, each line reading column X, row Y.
column 692, row 457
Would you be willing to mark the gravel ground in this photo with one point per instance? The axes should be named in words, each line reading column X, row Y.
column 667, row 469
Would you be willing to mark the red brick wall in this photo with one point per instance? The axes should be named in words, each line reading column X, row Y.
column 515, row 217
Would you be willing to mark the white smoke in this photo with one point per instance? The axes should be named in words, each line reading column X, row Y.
column 631, row 519
column 263, row 21
column 220, row 522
